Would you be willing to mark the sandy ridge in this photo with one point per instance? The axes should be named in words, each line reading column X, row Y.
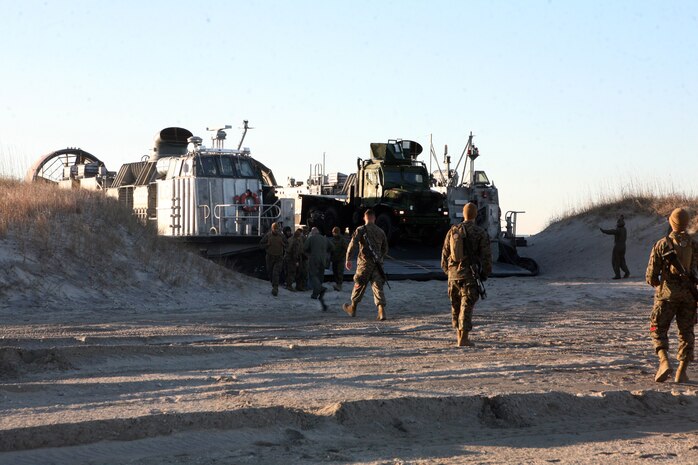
column 403, row 414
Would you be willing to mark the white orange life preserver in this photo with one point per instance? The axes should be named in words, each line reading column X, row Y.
column 248, row 207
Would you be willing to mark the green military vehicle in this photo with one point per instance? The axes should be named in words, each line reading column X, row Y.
column 392, row 182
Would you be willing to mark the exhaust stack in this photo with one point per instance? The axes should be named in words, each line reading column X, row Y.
column 170, row 142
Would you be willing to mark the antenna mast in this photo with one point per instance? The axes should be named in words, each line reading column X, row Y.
column 218, row 137
column 244, row 132
column 471, row 152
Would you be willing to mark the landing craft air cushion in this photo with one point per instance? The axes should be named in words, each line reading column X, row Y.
column 221, row 200
column 470, row 185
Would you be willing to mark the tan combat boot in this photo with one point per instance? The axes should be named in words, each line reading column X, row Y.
column 664, row 369
column 350, row 309
column 462, row 339
column 381, row 313
column 681, row 373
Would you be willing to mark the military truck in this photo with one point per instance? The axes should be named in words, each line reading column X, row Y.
column 392, row 182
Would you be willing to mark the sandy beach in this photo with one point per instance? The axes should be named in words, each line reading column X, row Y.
column 562, row 371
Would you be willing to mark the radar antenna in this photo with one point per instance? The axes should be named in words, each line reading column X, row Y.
column 218, row 138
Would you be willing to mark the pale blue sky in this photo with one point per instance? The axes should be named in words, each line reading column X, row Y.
column 566, row 99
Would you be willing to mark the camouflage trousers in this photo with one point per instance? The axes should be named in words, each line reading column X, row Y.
column 290, row 270
column 338, row 271
column 317, row 277
column 302, row 275
column 663, row 313
column 274, row 263
column 362, row 278
column 463, row 297
column 618, row 261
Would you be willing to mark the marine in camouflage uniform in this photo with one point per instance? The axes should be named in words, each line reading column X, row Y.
column 303, row 267
column 292, row 257
column 288, row 234
column 338, row 257
column 366, row 269
column 673, row 297
column 462, row 285
column 619, row 234
column 318, row 249
column 274, row 243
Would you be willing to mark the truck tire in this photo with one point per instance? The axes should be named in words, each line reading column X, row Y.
column 385, row 222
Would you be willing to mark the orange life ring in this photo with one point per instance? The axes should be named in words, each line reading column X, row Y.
column 248, row 207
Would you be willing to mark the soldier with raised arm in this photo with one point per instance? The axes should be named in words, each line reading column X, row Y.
column 370, row 240
column 671, row 267
column 466, row 251
column 619, row 234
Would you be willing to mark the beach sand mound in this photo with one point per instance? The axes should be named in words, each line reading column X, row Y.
column 70, row 246
column 574, row 247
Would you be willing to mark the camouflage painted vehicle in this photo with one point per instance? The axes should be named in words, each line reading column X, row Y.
column 392, row 182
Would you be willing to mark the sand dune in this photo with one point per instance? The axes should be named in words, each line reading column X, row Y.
column 575, row 248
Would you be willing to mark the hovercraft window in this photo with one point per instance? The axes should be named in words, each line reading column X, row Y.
column 208, row 166
column 227, row 167
column 245, row 169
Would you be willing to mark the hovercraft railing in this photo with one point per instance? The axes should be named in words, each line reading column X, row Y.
column 242, row 222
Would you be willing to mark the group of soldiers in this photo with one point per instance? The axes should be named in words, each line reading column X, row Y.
column 302, row 256
column 466, row 259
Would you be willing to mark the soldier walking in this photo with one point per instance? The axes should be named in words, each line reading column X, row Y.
column 302, row 272
column 338, row 256
column 618, row 256
column 466, row 244
column 292, row 258
column 318, row 249
column 274, row 243
column 288, row 234
column 367, row 237
column 670, row 270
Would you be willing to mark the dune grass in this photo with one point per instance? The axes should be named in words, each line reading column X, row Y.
column 13, row 162
column 633, row 198
column 65, row 227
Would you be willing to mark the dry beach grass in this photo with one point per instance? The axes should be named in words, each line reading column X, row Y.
column 634, row 198
column 87, row 239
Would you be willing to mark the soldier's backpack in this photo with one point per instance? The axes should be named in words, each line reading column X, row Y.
column 458, row 236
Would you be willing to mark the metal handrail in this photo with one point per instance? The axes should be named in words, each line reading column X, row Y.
column 207, row 211
column 264, row 212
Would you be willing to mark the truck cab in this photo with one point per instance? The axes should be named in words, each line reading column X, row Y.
column 396, row 186
column 392, row 182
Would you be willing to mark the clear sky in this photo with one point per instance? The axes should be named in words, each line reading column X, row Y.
column 566, row 99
